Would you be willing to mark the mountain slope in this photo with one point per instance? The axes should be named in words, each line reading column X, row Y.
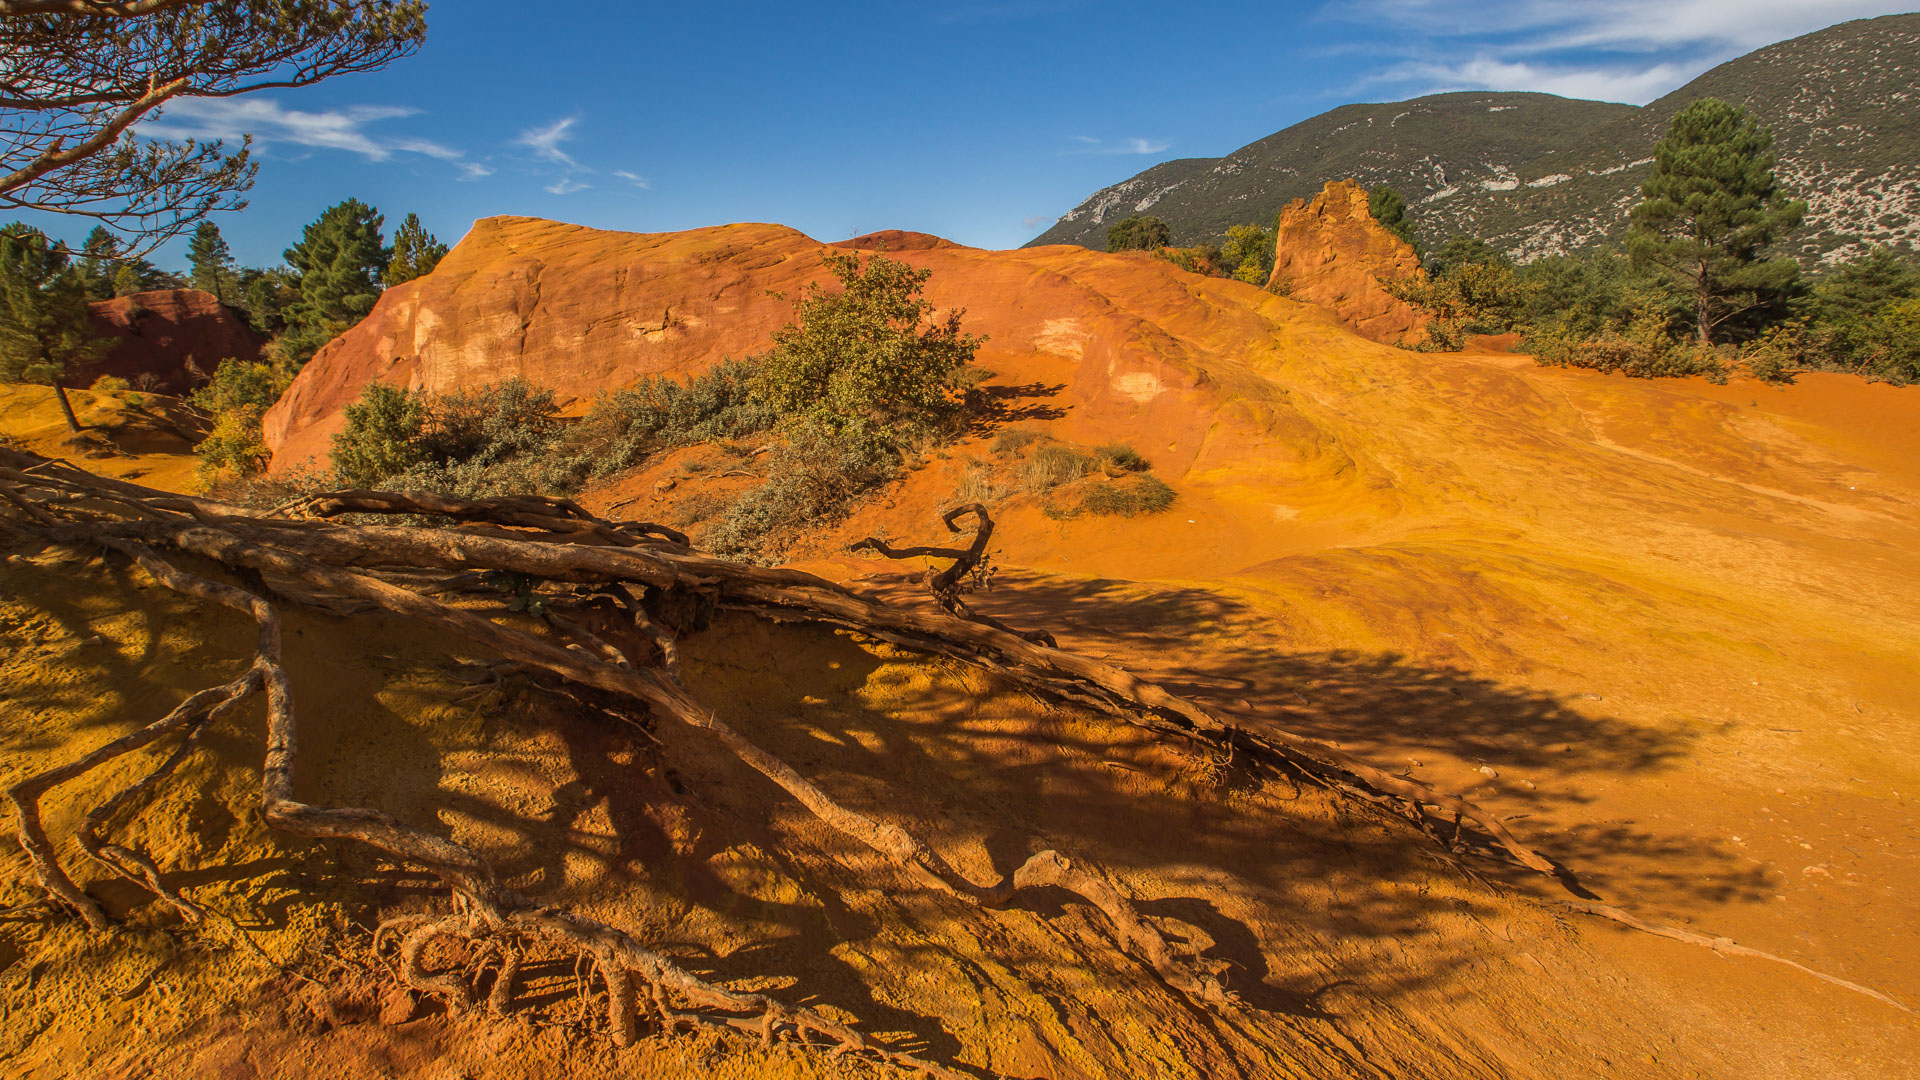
column 1538, row 175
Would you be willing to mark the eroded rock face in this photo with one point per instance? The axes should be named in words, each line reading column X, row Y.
column 160, row 332
column 1329, row 251
column 1105, row 348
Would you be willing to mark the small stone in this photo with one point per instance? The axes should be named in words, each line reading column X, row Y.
column 666, row 485
column 1487, row 771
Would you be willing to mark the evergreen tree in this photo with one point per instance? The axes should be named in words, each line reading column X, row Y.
column 126, row 281
column 266, row 295
column 415, row 252
column 1865, row 285
column 339, row 260
column 212, row 262
column 1710, row 210
column 1138, row 233
column 1389, row 208
column 99, row 261
column 45, row 337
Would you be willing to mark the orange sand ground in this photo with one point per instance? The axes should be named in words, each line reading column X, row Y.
column 1670, row 630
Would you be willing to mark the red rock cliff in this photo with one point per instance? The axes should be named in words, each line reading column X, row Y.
column 1330, row 252
column 158, row 332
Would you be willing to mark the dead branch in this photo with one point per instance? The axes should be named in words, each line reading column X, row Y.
column 968, row 570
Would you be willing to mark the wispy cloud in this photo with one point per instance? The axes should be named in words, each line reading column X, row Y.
column 1629, row 83
column 633, row 178
column 1136, row 145
column 1617, row 25
column 1615, row 50
column 567, row 185
column 271, row 123
column 473, row 170
column 545, row 141
column 1037, row 220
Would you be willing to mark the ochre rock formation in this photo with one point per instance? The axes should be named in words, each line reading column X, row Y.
column 1330, row 252
column 160, row 331
column 1110, row 347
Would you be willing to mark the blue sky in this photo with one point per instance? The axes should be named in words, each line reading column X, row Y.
column 978, row 120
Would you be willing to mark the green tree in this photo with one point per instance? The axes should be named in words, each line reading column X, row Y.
column 1464, row 250
column 1138, row 233
column 99, row 262
column 45, row 336
column 1389, row 208
column 212, row 263
column 415, row 252
column 266, row 295
column 126, row 281
column 339, row 260
column 382, row 436
column 1862, row 287
column 867, row 361
column 235, row 399
column 1711, row 208
column 1248, row 253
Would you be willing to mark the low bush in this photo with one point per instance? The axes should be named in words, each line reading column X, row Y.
column 1015, row 441
column 816, row 477
column 107, row 384
column 1126, row 498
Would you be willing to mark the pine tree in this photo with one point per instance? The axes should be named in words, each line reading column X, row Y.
column 1711, row 209
column 99, row 261
column 126, row 281
column 415, row 252
column 212, row 262
column 1389, row 208
column 45, row 337
column 339, row 259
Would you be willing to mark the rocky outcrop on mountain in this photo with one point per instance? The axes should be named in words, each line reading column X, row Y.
column 1536, row 174
column 170, row 340
column 1330, row 251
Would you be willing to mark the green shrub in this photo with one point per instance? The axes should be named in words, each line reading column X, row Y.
column 107, row 384
column 815, row 478
column 1121, row 456
column 656, row 413
column 235, row 400
column 1015, row 441
column 1130, row 497
column 869, row 360
column 382, row 437
column 1141, row 232
column 1052, row 465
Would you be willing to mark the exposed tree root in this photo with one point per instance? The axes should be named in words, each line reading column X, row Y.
column 655, row 588
column 968, row 571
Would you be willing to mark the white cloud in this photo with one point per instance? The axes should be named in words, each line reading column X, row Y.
column 1037, row 220
column 567, row 185
column 270, row 123
column 1613, row 50
column 545, row 142
column 1596, row 83
column 1621, row 25
column 473, row 170
column 634, row 179
column 1121, row 146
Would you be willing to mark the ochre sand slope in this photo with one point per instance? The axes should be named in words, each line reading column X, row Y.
column 1671, row 629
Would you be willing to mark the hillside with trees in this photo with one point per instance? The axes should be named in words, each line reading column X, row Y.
column 1537, row 175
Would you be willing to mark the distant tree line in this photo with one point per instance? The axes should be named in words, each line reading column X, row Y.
column 1698, row 288
column 331, row 279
